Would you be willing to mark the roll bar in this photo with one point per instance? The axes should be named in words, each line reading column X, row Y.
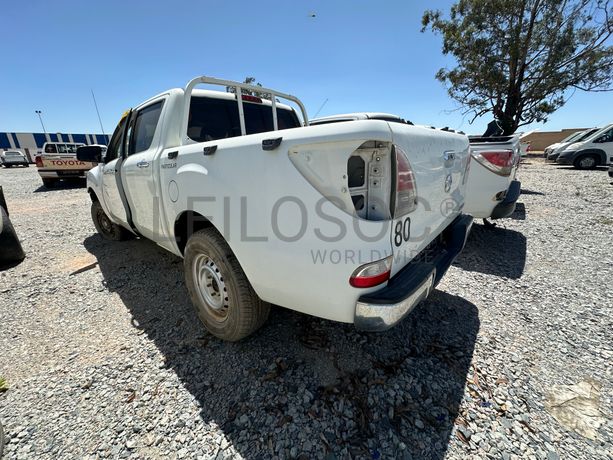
column 239, row 98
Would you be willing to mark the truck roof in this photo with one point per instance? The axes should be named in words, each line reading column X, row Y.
column 357, row 116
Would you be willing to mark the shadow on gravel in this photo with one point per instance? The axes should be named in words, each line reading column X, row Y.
column 594, row 170
column 531, row 192
column 62, row 185
column 494, row 251
column 519, row 213
column 303, row 386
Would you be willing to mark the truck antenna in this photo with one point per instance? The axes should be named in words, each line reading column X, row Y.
column 320, row 107
column 98, row 112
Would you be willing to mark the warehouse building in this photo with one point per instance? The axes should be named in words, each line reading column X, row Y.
column 31, row 144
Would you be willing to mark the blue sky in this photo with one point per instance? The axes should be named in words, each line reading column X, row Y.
column 361, row 55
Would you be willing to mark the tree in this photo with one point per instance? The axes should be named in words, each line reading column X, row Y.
column 250, row 81
column 520, row 59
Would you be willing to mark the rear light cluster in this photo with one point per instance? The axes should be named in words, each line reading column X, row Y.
column 404, row 200
column 372, row 274
column 39, row 161
column 500, row 162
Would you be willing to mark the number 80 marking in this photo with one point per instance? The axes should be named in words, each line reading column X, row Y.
column 402, row 231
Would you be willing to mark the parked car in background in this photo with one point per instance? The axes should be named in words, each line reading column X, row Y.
column 11, row 251
column 59, row 161
column 492, row 190
column 254, row 199
column 10, row 158
column 568, row 139
column 578, row 137
column 587, row 153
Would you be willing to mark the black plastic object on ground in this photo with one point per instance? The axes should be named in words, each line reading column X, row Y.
column 1, row 441
column 11, row 252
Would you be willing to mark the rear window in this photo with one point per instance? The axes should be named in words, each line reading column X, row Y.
column 50, row 148
column 211, row 119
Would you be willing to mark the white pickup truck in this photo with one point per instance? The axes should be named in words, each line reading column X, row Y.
column 59, row 162
column 354, row 222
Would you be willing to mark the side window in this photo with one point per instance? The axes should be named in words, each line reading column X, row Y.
column 61, row 148
column 50, row 148
column 115, row 149
column 143, row 128
column 606, row 137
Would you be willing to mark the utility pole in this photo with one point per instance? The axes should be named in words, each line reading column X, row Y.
column 39, row 112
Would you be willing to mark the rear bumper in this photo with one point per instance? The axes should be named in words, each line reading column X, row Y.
column 506, row 207
column 383, row 309
column 62, row 174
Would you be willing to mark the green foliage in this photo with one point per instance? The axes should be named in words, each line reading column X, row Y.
column 250, row 81
column 520, row 59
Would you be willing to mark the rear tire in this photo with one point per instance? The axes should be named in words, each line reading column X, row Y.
column 105, row 227
column 223, row 298
column 586, row 162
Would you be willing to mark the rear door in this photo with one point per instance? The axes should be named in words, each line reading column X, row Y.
column 138, row 172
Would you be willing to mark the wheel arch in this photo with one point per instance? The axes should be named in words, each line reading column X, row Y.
column 92, row 194
column 186, row 224
column 598, row 153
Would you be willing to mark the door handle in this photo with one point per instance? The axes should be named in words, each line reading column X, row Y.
column 143, row 164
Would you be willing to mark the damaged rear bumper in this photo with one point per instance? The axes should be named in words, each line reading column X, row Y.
column 383, row 309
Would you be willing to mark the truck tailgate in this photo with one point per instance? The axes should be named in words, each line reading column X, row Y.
column 438, row 161
column 67, row 162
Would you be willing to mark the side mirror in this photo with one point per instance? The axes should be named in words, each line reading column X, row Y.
column 90, row 153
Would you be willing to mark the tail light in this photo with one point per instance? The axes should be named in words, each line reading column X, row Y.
column 404, row 197
column 372, row 274
column 498, row 161
column 39, row 161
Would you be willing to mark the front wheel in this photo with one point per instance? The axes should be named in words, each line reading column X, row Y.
column 105, row 227
column 586, row 162
column 223, row 298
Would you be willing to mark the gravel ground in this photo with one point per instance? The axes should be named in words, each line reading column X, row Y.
column 111, row 362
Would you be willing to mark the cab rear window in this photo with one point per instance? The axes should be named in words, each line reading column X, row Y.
column 211, row 119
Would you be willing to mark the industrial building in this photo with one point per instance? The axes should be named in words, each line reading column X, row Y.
column 31, row 144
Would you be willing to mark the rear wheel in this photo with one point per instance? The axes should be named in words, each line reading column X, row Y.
column 586, row 162
column 223, row 298
column 105, row 227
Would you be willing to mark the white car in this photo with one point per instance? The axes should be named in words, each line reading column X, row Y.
column 344, row 221
column 590, row 152
column 11, row 158
column 553, row 151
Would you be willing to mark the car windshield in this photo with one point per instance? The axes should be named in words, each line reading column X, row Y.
column 585, row 135
column 13, row 154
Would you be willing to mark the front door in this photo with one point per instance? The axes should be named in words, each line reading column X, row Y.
column 110, row 176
